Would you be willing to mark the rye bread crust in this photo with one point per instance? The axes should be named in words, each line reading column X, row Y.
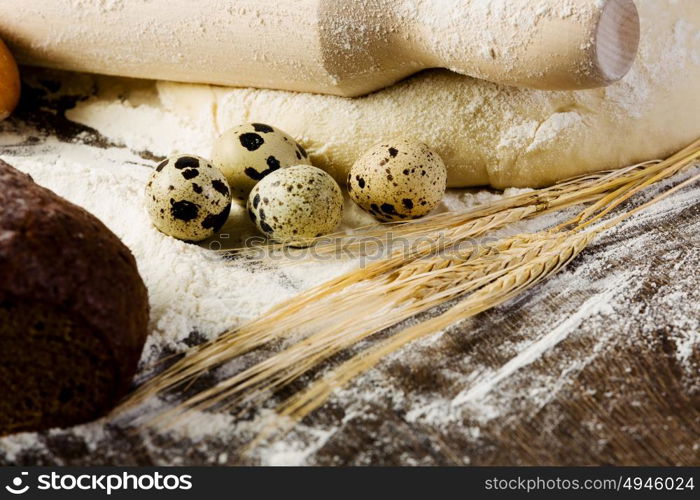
column 63, row 266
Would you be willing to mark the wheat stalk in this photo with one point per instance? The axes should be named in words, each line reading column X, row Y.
column 301, row 310
column 500, row 289
column 503, row 288
column 444, row 229
column 582, row 189
column 417, row 287
column 402, row 285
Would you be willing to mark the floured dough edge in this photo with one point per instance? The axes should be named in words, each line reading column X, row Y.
column 488, row 134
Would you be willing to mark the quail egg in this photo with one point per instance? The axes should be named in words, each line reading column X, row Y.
column 398, row 180
column 247, row 153
column 296, row 204
column 188, row 198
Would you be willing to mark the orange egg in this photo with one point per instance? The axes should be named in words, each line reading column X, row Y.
column 9, row 82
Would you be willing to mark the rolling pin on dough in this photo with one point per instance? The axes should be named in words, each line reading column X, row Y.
column 341, row 47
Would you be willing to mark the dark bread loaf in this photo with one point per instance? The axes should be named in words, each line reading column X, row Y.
column 73, row 310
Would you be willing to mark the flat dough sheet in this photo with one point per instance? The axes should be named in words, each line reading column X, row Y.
column 489, row 134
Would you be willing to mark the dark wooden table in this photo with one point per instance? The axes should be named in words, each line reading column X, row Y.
column 598, row 365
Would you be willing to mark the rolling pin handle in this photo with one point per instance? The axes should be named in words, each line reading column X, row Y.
column 593, row 48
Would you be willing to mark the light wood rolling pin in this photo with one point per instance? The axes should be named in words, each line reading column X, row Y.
column 343, row 47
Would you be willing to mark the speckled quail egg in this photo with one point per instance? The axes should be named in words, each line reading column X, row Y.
column 247, row 153
column 296, row 204
column 188, row 198
column 398, row 180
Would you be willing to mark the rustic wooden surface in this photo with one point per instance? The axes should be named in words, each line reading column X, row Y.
column 598, row 365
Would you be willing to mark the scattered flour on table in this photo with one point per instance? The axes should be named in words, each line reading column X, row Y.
column 191, row 289
column 490, row 393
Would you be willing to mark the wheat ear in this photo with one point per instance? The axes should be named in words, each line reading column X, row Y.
column 470, row 224
column 548, row 261
column 417, row 287
column 410, row 286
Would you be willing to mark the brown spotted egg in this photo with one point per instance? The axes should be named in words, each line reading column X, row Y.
column 296, row 204
column 398, row 180
column 188, row 198
column 247, row 153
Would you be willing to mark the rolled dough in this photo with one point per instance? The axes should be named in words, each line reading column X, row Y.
column 489, row 134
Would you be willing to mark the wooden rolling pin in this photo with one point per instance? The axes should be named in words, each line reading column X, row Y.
column 341, row 47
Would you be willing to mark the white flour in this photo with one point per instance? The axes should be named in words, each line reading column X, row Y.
column 192, row 290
